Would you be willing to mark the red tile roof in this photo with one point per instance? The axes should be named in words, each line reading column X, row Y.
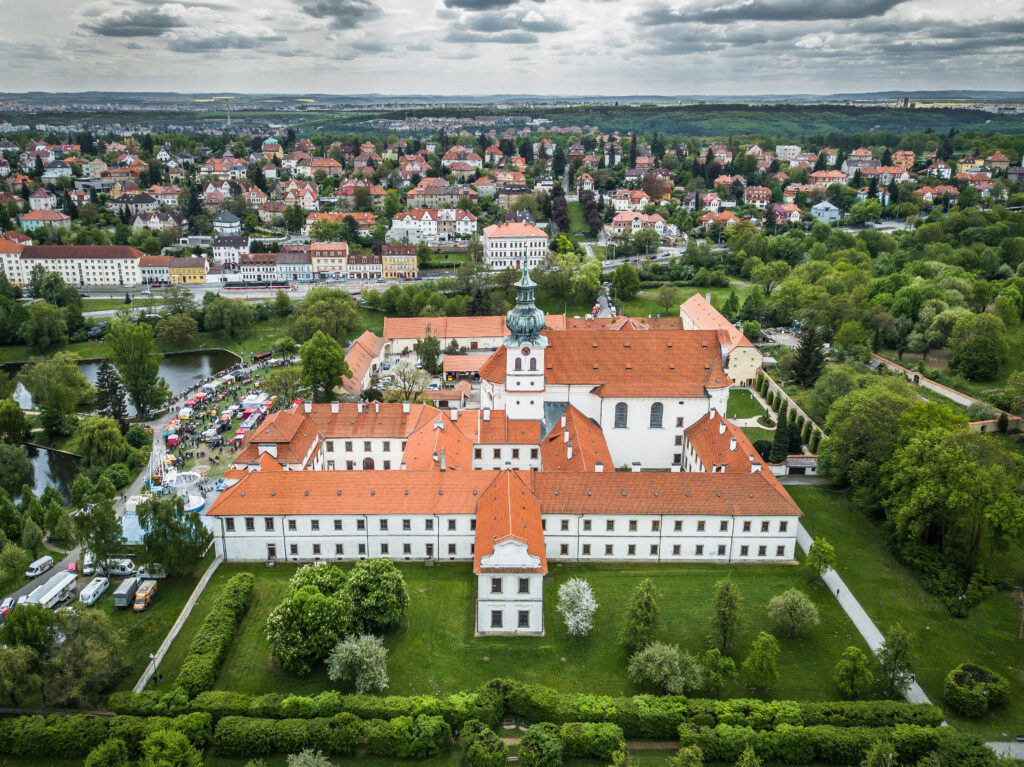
column 584, row 437
column 509, row 511
column 360, row 356
column 707, row 317
column 293, row 435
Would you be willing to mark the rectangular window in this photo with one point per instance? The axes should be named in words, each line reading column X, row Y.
column 497, row 453
column 679, row 440
column 676, row 549
column 362, row 549
column 564, row 549
column 451, row 524
column 291, row 525
column 655, row 525
column 654, row 549
column 631, row 549
column 387, row 465
column 721, row 549
column 472, row 524
column 387, row 446
column 677, row 526
column 478, row 453
column 406, row 549
column 746, row 525
column 348, row 446
column 764, row 527
column 407, row 524
column 268, row 524
column 314, row 525
column 330, row 446
column 428, row 524
column 337, row 524
column 383, row 524
column 700, row 525
column 744, row 551
column 564, row 525
column 586, row 549
column 316, row 549
column 609, row 525
column 762, row 551
column 366, row 446
column 294, row 550
column 699, row 550
column 360, row 524
column 679, row 423
column 780, row 551
column 533, row 453
column 586, row 525
column 524, row 619
column 495, row 585
column 495, row 619
column 429, row 550
column 783, row 526
column 451, row 549
column 723, row 527
column 339, row 549
column 524, row 585
column 608, row 549
column 632, row 525
column 350, row 465
column 515, row 452
column 271, row 551
column 229, row 524
column 384, row 550
column 250, row 524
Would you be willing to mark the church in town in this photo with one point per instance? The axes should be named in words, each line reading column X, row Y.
column 586, row 445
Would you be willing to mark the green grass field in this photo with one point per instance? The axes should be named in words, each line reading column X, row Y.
column 754, row 433
column 108, row 304
column 645, row 302
column 578, row 226
column 743, row 405
column 436, row 652
column 887, row 589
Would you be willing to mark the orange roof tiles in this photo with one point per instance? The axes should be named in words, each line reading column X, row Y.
column 378, row 420
column 711, row 437
column 292, row 434
column 360, row 356
column 584, row 437
column 508, row 510
column 707, row 317
column 439, row 441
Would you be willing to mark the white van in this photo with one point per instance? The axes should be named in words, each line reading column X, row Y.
column 96, row 588
column 39, row 567
column 88, row 565
column 117, row 567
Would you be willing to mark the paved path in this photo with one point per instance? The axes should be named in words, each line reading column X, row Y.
column 861, row 620
column 604, row 310
column 1007, row 748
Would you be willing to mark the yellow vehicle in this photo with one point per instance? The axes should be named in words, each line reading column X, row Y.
column 144, row 595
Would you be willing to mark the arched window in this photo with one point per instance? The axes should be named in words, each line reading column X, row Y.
column 533, row 363
column 621, row 414
column 657, row 410
column 519, row 364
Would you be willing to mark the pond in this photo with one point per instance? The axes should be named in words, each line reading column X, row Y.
column 51, row 469
column 180, row 370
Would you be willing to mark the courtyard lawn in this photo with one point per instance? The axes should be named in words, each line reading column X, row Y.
column 645, row 302
column 885, row 587
column 578, row 226
column 436, row 651
column 754, row 433
column 743, row 405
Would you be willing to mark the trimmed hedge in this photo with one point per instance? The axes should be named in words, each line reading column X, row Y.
column 199, row 669
column 591, row 740
column 406, row 737
column 149, row 703
column 972, row 690
column 249, row 736
column 77, row 735
column 486, row 706
column 481, row 747
column 659, row 717
column 825, row 744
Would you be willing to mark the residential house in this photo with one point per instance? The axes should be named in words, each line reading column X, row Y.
column 258, row 267
column 187, row 271
column 825, row 212
column 759, row 196
column 158, row 221
column 155, row 270
column 80, row 265
column 294, row 267
column 399, row 261
column 43, row 199
column 329, row 260
column 228, row 250
column 37, row 219
column 511, row 246
column 226, row 224
column 369, row 266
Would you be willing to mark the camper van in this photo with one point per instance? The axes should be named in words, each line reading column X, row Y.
column 117, row 567
column 151, row 572
column 144, row 595
column 124, row 594
column 39, row 567
column 97, row 587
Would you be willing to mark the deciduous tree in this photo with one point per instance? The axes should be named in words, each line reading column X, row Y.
column 379, row 597
column 577, row 604
column 138, row 365
column 852, row 675
column 792, row 611
column 821, row 557
column 303, row 628
column 323, row 364
column 725, row 614
column 643, row 616
column 361, row 660
column 173, row 538
column 760, row 665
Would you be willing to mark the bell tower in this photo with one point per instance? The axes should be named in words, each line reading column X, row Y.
column 524, row 354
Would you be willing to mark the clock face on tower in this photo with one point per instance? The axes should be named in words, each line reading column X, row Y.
column 525, row 351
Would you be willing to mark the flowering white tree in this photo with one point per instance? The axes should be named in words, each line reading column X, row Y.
column 362, row 660
column 577, row 604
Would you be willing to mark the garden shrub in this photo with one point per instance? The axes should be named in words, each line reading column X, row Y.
column 199, row 669
column 481, row 747
column 244, row 736
column 591, row 740
column 540, row 746
column 78, row 734
column 971, row 690
column 406, row 737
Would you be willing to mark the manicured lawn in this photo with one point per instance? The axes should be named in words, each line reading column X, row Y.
column 754, row 433
column 436, row 652
column 645, row 301
column 885, row 587
column 577, row 222
column 551, row 305
column 743, row 405
column 107, row 304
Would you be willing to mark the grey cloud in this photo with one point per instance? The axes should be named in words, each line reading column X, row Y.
column 764, row 10
column 371, row 46
column 507, row 37
column 343, row 14
column 424, row 46
column 228, row 41
column 496, row 21
column 134, row 23
column 479, row 5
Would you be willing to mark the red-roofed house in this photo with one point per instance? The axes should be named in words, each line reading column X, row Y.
column 742, row 358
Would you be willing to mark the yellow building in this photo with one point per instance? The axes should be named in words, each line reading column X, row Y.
column 399, row 262
column 328, row 259
column 187, row 271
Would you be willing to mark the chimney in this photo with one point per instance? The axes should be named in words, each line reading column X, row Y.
column 755, row 467
column 636, row 466
column 563, row 420
column 721, row 427
column 376, row 406
column 568, row 453
column 732, row 444
column 444, row 465
column 598, row 467
column 675, row 468
column 565, row 436
column 307, row 407
column 405, row 407
column 487, row 414
column 403, row 465
column 707, row 296
column 334, row 407
column 359, row 407
column 455, row 414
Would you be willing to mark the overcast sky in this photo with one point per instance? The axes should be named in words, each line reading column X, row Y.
column 567, row 47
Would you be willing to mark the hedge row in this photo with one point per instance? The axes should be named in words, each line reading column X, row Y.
column 249, row 736
column 406, row 737
column 591, row 740
column 825, row 744
column 481, row 747
column 199, row 669
column 77, row 735
column 659, row 717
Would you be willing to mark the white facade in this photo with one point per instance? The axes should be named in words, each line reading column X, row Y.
column 507, row 246
column 84, row 265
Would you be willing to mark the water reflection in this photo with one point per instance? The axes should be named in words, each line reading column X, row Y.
column 51, row 469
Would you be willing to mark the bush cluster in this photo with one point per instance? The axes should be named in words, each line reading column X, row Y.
column 591, row 740
column 972, row 690
column 199, row 669
column 407, row 737
column 150, row 703
column 76, row 735
column 481, row 747
column 251, row 737
column 825, row 744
